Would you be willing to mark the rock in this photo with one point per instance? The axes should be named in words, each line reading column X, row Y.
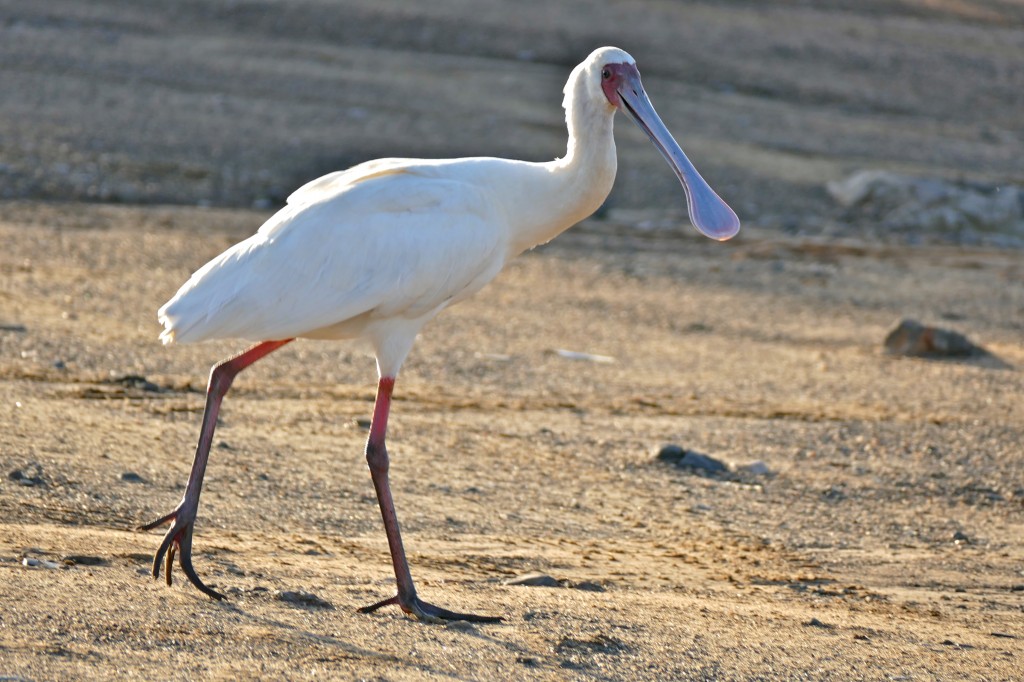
column 586, row 357
column 671, row 453
column 34, row 477
column 905, row 202
column 961, row 538
column 135, row 381
column 303, row 599
column 695, row 460
column 132, row 477
column 31, row 562
column 534, row 580
column 675, row 454
column 588, row 586
column 757, row 468
column 911, row 338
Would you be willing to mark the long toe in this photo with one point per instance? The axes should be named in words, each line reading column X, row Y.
column 428, row 612
column 436, row 614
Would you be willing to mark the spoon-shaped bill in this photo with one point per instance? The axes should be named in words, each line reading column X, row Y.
column 708, row 213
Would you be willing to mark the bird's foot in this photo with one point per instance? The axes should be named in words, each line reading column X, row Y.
column 428, row 612
column 179, row 540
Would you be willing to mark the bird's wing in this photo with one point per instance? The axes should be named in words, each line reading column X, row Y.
column 400, row 244
column 333, row 183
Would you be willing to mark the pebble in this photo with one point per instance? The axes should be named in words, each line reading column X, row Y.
column 675, row 454
column 302, row 598
column 588, row 586
column 961, row 538
column 586, row 357
column 132, row 477
column 32, row 562
column 911, row 338
column 534, row 580
column 135, row 381
column 757, row 468
column 21, row 478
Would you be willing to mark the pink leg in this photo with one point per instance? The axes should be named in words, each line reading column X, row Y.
column 377, row 458
column 179, row 536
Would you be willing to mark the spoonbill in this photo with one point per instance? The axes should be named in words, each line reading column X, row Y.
column 375, row 251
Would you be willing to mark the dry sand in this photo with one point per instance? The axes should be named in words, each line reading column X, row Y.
column 885, row 542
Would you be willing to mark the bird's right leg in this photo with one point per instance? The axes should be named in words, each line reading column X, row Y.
column 182, row 519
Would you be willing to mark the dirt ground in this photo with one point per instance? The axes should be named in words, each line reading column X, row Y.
column 880, row 534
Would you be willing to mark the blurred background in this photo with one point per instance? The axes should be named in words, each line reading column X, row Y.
column 779, row 104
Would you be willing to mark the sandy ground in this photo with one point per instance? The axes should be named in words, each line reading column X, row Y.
column 885, row 541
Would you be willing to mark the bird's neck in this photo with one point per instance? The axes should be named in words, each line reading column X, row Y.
column 567, row 190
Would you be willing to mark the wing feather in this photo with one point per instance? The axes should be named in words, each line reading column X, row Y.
column 398, row 241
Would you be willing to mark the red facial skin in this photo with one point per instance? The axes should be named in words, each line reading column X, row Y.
column 616, row 76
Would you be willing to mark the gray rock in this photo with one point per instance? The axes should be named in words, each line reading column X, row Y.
column 534, row 580
column 695, row 460
column 33, row 477
column 911, row 338
column 675, row 454
column 757, row 468
column 904, row 202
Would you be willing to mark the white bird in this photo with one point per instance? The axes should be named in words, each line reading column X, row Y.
column 377, row 250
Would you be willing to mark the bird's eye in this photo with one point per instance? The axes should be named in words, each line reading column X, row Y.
column 606, row 74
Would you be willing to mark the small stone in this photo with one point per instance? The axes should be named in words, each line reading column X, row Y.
column 671, row 453
column 913, row 339
column 695, row 460
column 135, row 381
column 961, row 538
column 534, row 580
column 757, row 468
column 680, row 456
column 21, row 478
column 303, row 599
column 588, row 586
column 132, row 477
column 815, row 623
column 363, row 423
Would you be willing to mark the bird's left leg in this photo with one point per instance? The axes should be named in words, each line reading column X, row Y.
column 377, row 458
column 182, row 519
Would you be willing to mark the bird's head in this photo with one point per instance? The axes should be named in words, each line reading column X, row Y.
column 611, row 74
